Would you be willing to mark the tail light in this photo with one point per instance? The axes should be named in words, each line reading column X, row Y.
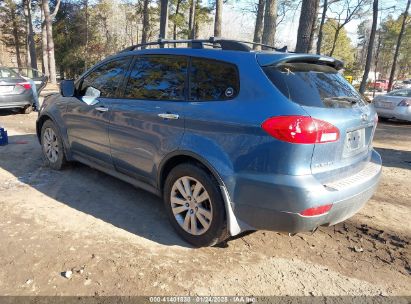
column 405, row 102
column 301, row 129
column 316, row 210
column 25, row 85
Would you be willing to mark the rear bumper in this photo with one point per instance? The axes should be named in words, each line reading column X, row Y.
column 16, row 101
column 276, row 206
column 402, row 113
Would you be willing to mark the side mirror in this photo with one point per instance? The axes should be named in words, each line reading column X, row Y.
column 67, row 88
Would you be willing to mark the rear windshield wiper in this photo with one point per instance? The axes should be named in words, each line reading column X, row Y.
column 341, row 100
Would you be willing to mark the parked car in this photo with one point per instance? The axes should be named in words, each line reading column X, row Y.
column 15, row 91
column 232, row 139
column 38, row 77
column 404, row 84
column 395, row 104
column 380, row 85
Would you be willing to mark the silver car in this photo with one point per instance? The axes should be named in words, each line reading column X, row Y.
column 395, row 104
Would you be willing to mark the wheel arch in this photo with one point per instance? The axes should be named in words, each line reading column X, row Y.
column 176, row 158
column 39, row 124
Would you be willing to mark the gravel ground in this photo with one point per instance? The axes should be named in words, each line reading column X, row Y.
column 116, row 240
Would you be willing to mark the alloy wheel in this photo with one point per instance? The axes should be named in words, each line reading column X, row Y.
column 50, row 145
column 191, row 205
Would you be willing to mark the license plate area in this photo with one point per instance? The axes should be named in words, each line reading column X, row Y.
column 354, row 142
column 6, row 89
column 385, row 105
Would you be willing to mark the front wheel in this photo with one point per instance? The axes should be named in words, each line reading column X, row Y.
column 195, row 206
column 52, row 146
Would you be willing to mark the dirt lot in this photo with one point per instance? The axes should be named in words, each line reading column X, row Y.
column 117, row 241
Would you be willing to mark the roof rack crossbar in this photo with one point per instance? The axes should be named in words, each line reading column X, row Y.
column 225, row 44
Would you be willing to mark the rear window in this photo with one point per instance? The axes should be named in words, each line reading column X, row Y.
column 313, row 85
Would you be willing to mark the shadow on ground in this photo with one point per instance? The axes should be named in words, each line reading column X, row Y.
column 90, row 191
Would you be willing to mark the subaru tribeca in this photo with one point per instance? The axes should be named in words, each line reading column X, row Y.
column 231, row 139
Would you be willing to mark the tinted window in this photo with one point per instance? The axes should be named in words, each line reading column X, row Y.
column 158, row 78
column 313, row 85
column 105, row 78
column 404, row 93
column 213, row 80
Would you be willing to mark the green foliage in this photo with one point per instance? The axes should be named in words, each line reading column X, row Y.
column 343, row 50
column 389, row 32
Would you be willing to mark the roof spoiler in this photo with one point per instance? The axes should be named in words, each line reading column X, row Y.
column 266, row 59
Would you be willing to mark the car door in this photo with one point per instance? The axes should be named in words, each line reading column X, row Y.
column 87, row 114
column 147, row 123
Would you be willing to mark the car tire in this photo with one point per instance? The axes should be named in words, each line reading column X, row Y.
column 202, row 204
column 52, row 146
column 27, row 109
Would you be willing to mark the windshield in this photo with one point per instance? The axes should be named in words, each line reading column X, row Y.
column 8, row 73
column 313, row 85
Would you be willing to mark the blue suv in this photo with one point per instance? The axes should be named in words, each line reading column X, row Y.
column 232, row 139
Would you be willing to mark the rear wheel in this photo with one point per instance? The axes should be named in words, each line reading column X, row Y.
column 27, row 109
column 195, row 206
column 52, row 146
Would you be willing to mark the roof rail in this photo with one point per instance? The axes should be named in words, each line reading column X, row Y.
column 224, row 44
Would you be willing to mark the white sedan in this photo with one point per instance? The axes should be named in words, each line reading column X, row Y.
column 395, row 104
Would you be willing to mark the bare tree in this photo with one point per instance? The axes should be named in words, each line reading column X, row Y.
column 30, row 44
column 146, row 22
column 320, row 30
column 16, row 35
column 270, row 22
column 191, row 21
column 48, row 19
column 258, row 30
column 370, row 47
column 351, row 10
column 45, row 56
column 397, row 47
column 164, row 19
column 306, row 25
column 218, row 17
column 314, row 27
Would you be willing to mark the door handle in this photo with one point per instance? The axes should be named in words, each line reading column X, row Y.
column 101, row 109
column 169, row 116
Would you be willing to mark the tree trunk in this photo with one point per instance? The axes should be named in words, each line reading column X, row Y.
column 191, row 21
column 50, row 41
column 31, row 46
column 87, row 38
column 397, row 48
column 270, row 22
column 320, row 31
column 146, row 23
column 258, row 30
column 314, row 27
column 45, row 65
column 370, row 47
column 218, row 17
column 175, row 23
column 306, row 25
column 164, row 19
column 16, row 38
column 337, row 33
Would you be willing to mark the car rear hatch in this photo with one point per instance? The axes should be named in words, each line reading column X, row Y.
column 315, row 83
column 13, row 86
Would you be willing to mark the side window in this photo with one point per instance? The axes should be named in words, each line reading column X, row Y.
column 157, row 78
column 213, row 80
column 398, row 93
column 104, row 80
